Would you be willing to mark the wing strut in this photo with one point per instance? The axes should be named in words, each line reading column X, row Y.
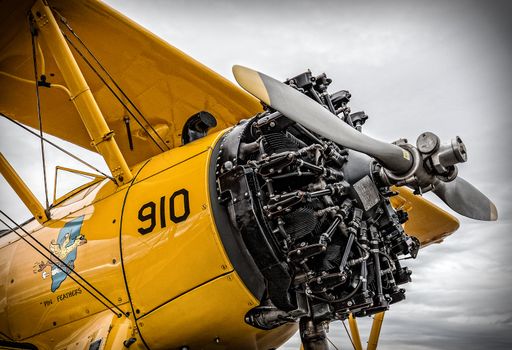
column 22, row 190
column 102, row 138
column 375, row 332
column 354, row 330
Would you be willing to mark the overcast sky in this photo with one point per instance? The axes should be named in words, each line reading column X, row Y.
column 412, row 66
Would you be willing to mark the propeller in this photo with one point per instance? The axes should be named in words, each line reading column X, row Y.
column 458, row 194
column 466, row 199
column 315, row 117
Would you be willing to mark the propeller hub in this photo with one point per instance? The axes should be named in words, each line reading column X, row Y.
column 440, row 159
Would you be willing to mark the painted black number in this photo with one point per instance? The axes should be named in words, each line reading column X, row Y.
column 172, row 207
column 179, row 210
column 148, row 216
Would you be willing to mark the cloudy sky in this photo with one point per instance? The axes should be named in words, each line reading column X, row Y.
column 412, row 66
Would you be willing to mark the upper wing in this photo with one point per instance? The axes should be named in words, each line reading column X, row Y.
column 427, row 222
column 166, row 85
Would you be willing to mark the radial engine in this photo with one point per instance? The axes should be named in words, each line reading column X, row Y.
column 315, row 217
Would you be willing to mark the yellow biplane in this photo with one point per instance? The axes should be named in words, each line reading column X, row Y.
column 229, row 218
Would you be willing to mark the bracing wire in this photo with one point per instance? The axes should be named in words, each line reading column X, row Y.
column 348, row 334
column 70, row 29
column 67, row 270
column 58, row 147
column 38, row 110
column 329, row 340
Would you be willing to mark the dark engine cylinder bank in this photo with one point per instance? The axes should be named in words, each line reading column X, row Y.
column 315, row 217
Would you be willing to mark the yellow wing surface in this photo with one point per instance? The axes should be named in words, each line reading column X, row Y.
column 164, row 84
column 427, row 222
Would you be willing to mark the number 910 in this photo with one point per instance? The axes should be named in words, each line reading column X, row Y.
column 148, row 211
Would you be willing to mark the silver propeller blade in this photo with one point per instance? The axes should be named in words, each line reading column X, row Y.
column 466, row 200
column 459, row 195
column 315, row 117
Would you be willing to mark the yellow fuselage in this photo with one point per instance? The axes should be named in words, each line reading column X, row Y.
column 152, row 247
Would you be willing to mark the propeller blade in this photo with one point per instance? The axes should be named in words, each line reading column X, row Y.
column 315, row 117
column 466, row 200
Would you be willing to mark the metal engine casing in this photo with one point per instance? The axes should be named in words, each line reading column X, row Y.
column 316, row 219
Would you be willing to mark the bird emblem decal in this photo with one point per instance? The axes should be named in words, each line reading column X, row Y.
column 65, row 249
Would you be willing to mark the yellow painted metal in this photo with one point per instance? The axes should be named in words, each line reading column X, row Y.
column 222, row 303
column 6, row 257
column 22, row 190
column 195, row 283
column 31, row 306
column 121, row 330
column 102, row 138
column 354, row 331
column 193, row 250
column 181, row 282
column 375, row 331
column 427, row 222
column 165, row 84
column 79, row 335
